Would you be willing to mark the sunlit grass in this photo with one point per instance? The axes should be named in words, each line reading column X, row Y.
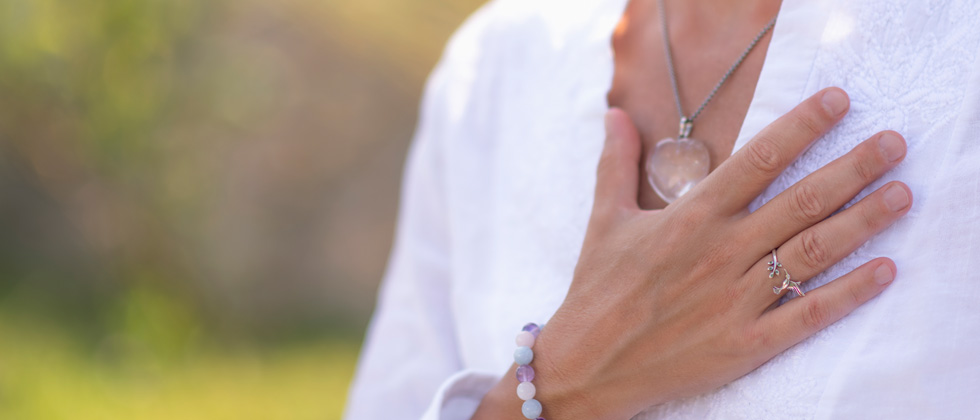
column 44, row 376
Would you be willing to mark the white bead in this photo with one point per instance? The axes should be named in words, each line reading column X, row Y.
column 526, row 391
column 523, row 355
column 525, row 339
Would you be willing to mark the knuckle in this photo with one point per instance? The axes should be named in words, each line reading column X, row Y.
column 815, row 315
column 715, row 259
column 737, row 292
column 734, row 293
column 871, row 217
column 808, row 125
column 855, row 295
column 726, row 253
column 690, row 219
column 758, row 339
column 763, row 156
column 808, row 203
column 814, row 255
column 865, row 166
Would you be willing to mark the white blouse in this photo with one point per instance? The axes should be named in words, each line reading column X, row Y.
column 499, row 184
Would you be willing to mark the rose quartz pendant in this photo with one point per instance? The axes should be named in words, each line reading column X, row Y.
column 675, row 166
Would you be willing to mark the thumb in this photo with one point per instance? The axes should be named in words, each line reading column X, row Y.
column 617, row 176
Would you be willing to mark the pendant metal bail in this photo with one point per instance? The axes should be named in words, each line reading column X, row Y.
column 685, row 128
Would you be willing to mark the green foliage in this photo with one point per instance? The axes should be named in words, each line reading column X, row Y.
column 87, row 88
column 104, row 67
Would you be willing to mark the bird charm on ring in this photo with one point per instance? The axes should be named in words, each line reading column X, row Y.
column 773, row 267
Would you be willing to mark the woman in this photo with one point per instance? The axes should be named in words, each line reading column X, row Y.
column 670, row 313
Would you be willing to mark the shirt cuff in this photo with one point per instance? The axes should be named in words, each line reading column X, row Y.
column 460, row 395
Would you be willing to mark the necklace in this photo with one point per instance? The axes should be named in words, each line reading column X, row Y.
column 675, row 166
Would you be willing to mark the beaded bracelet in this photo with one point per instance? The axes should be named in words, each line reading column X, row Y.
column 525, row 373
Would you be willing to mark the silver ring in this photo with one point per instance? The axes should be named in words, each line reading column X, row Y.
column 775, row 267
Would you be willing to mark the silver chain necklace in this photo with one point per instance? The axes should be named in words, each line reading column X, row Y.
column 675, row 166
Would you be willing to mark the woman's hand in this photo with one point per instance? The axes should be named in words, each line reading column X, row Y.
column 676, row 302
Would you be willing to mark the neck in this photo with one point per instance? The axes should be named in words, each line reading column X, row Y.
column 721, row 15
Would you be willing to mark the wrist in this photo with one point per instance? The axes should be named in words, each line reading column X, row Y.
column 561, row 387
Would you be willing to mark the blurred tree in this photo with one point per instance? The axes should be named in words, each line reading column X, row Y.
column 183, row 179
column 238, row 158
column 86, row 87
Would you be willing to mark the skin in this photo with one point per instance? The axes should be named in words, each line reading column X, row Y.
column 671, row 302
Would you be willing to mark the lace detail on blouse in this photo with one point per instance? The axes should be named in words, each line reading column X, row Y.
column 905, row 66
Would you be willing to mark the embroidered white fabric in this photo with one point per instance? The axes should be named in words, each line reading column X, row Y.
column 499, row 185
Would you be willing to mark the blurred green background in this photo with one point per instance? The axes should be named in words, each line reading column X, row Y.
column 197, row 199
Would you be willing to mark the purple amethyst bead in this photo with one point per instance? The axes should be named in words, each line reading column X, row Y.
column 539, row 418
column 525, row 373
column 533, row 329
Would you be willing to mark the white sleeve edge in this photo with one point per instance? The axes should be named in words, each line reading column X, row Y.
column 460, row 395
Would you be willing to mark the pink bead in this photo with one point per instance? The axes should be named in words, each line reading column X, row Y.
column 526, row 391
column 525, row 339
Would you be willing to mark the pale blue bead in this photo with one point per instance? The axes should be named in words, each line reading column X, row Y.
column 531, row 409
column 523, row 356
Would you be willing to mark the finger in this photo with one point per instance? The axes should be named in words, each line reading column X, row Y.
column 802, row 317
column 826, row 190
column 617, row 177
column 743, row 176
column 814, row 250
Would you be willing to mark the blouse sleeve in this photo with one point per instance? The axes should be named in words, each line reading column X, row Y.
column 409, row 366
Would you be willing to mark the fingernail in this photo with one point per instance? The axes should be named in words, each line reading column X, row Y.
column 883, row 274
column 896, row 198
column 892, row 146
column 608, row 120
column 834, row 102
